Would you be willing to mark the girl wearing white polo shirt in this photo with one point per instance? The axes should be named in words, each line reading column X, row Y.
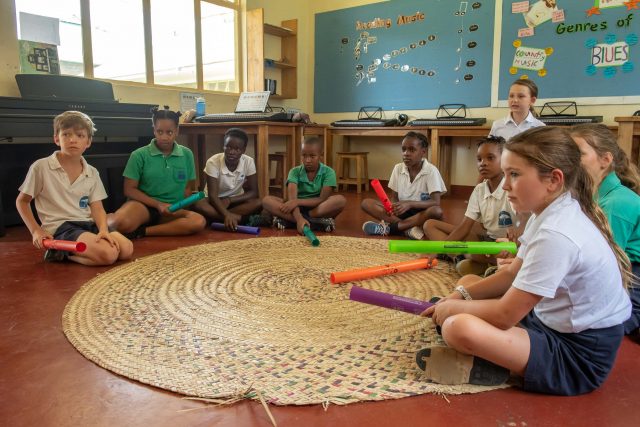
column 522, row 95
column 554, row 315
column 227, row 175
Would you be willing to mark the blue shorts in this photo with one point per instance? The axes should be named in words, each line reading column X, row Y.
column 633, row 323
column 566, row 363
column 71, row 230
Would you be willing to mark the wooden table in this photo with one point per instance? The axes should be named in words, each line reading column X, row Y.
column 628, row 133
column 293, row 133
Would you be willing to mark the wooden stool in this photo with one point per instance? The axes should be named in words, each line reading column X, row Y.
column 362, row 169
column 279, row 182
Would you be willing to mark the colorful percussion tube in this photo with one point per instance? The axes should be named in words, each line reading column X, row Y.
column 186, row 202
column 64, row 245
column 240, row 228
column 382, row 195
column 382, row 270
column 435, row 247
column 382, row 299
column 309, row 235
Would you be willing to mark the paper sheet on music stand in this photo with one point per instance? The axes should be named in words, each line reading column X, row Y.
column 253, row 102
column 38, row 28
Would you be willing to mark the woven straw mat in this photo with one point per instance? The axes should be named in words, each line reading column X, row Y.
column 217, row 319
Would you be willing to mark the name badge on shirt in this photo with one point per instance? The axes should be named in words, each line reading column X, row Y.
column 84, row 202
column 424, row 197
column 504, row 219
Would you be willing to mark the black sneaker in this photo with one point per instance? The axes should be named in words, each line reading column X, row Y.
column 444, row 365
column 54, row 255
column 137, row 233
column 281, row 224
column 260, row 220
column 322, row 224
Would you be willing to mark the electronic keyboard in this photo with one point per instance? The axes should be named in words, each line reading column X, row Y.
column 569, row 120
column 245, row 117
column 454, row 121
column 365, row 123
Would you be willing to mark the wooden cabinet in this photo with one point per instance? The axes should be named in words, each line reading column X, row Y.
column 257, row 32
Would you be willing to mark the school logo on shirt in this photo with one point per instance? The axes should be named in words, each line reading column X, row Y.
column 504, row 219
column 180, row 175
column 84, row 202
column 424, row 197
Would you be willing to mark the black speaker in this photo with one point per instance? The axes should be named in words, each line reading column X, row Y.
column 402, row 119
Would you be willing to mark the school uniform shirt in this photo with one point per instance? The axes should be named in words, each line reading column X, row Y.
column 326, row 177
column 161, row 177
column 507, row 128
column 622, row 208
column 492, row 210
column 567, row 261
column 57, row 199
column 230, row 183
column 427, row 181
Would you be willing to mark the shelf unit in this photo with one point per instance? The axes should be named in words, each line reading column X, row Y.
column 287, row 87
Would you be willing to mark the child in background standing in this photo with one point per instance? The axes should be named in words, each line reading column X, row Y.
column 417, row 187
column 522, row 95
column 489, row 215
column 156, row 176
column 227, row 173
column 554, row 315
column 68, row 194
column 311, row 201
column 617, row 188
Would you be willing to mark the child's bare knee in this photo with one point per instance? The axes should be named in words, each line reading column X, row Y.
column 458, row 331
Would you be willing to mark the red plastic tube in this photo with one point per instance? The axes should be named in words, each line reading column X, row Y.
column 64, row 245
column 382, row 195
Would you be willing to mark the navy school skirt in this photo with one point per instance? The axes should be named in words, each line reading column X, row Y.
column 569, row 363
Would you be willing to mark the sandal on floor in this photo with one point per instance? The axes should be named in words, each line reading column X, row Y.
column 444, row 365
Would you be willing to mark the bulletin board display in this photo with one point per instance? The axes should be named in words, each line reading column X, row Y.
column 404, row 55
column 571, row 48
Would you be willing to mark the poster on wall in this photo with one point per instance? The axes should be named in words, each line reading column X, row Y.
column 577, row 48
column 404, row 54
column 38, row 58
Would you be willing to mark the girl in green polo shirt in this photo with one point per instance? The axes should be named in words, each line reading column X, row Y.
column 156, row 176
column 617, row 189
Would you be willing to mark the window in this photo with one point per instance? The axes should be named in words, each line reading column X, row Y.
column 218, row 47
column 154, row 41
column 174, row 49
column 55, row 23
column 117, row 37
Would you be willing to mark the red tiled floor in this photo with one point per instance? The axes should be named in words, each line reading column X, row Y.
column 44, row 381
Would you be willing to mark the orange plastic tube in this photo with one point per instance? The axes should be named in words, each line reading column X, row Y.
column 382, row 270
column 64, row 245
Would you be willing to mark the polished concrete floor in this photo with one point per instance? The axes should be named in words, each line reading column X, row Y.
column 44, row 381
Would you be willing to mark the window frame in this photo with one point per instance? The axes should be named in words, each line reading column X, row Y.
column 87, row 46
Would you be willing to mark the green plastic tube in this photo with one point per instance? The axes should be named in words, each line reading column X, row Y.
column 309, row 235
column 186, row 202
column 436, row 247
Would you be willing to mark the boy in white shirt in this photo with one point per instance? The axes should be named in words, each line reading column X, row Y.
column 417, row 187
column 227, row 174
column 68, row 196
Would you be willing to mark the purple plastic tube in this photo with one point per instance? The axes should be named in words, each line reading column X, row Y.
column 241, row 228
column 382, row 299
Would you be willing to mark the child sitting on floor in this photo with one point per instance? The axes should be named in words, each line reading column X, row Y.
column 417, row 187
column 68, row 194
column 156, row 176
column 489, row 215
column 311, row 201
column 554, row 315
column 227, row 174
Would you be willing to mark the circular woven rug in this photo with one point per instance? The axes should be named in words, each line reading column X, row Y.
column 217, row 319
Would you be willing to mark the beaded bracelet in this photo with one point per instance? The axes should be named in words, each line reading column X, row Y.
column 464, row 293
